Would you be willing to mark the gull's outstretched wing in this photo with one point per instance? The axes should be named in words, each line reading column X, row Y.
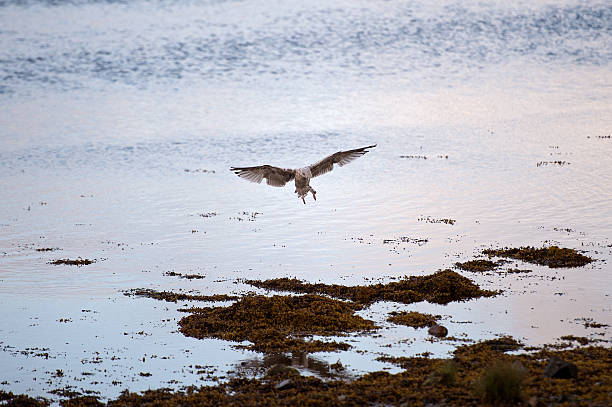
column 340, row 158
column 277, row 177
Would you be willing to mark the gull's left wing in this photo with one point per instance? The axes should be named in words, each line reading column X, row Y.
column 275, row 176
column 341, row 158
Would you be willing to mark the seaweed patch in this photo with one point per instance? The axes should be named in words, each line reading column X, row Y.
column 10, row 399
column 406, row 239
column 477, row 265
column 441, row 287
column 590, row 323
column 558, row 162
column 278, row 323
column 553, row 256
column 186, row 276
column 72, row 262
column 501, row 344
column 170, row 296
column 413, row 319
column 429, row 219
column 201, row 170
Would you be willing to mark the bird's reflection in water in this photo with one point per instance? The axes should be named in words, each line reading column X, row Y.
column 300, row 361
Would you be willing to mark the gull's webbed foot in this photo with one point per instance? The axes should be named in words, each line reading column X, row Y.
column 314, row 193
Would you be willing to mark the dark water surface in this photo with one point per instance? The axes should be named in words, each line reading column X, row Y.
column 119, row 121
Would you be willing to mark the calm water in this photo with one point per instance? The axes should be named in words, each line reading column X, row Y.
column 119, row 121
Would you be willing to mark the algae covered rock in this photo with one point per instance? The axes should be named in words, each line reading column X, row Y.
column 560, row 369
column 438, row 331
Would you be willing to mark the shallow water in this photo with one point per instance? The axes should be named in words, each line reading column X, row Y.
column 119, row 121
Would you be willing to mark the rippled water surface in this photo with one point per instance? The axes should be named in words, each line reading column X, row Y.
column 119, row 122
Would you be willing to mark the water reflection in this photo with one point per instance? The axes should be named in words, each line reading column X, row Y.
column 303, row 362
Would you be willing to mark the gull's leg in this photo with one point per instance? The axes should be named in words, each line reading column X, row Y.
column 303, row 200
column 314, row 193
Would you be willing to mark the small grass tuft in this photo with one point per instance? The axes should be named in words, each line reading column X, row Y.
column 501, row 382
column 447, row 372
column 444, row 374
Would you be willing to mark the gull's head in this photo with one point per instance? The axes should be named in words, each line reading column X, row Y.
column 304, row 172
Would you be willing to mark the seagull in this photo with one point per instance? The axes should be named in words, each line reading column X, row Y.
column 278, row 177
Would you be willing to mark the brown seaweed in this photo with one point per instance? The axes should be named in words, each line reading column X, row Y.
column 441, row 287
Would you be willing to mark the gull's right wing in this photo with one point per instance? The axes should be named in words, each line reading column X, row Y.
column 341, row 158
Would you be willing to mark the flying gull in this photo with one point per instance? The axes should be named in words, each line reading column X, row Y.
column 278, row 177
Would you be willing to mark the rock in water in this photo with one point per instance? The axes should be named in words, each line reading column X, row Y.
column 438, row 330
column 560, row 369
